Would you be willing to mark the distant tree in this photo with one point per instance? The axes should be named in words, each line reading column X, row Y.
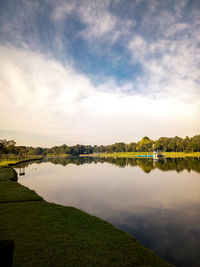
column 62, row 149
column 38, row 151
column 95, row 149
column 194, row 144
column 162, row 144
column 176, row 144
column 7, row 146
column 132, row 147
column 22, row 152
column 120, row 147
column 145, row 144
column 2, row 147
column 68, row 150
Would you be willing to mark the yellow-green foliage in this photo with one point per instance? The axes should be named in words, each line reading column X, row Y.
column 6, row 162
column 124, row 154
column 145, row 144
column 135, row 154
column 181, row 154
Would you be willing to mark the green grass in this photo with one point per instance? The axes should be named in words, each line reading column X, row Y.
column 12, row 191
column 6, row 162
column 119, row 154
column 47, row 234
column 135, row 154
column 181, row 154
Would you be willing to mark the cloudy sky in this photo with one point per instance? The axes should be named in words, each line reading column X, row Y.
column 98, row 72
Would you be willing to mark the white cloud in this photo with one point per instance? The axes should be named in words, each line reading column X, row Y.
column 99, row 23
column 176, row 28
column 20, row 26
column 40, row 95
column 63, row 9
column 170, row 57
column 97, row 18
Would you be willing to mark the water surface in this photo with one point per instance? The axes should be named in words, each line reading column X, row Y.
column 156, row 202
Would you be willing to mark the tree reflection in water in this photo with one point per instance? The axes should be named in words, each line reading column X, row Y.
column 147, row 165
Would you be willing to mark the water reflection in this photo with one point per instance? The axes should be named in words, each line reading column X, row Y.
column 159, row 207
column 172, row 233
column 147, row 165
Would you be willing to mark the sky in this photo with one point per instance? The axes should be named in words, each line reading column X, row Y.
column 98, row 72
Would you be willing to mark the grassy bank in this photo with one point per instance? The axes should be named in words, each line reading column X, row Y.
column 118, row 154
column 11, row 191
column 181, row 154
column 10, row 161
column 135, row 154
column 47, row 234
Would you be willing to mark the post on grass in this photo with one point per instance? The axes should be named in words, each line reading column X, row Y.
column 6, row 253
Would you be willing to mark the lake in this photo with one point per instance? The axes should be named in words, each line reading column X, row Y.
column 158, row 202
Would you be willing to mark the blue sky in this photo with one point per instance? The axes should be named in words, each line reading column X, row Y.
column 98, row 72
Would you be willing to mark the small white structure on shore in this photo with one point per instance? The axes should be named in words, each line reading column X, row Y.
column 156, row 155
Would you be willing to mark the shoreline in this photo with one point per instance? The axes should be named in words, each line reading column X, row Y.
column 138, row 154
column 14, row 161
column 23, row 161
column 43, row 231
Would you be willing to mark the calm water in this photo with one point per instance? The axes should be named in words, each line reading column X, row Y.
column 157, row 202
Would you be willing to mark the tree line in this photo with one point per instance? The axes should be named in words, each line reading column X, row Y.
column 163, row 144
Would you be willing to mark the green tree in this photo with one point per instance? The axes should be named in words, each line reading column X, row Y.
column 145, row 144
